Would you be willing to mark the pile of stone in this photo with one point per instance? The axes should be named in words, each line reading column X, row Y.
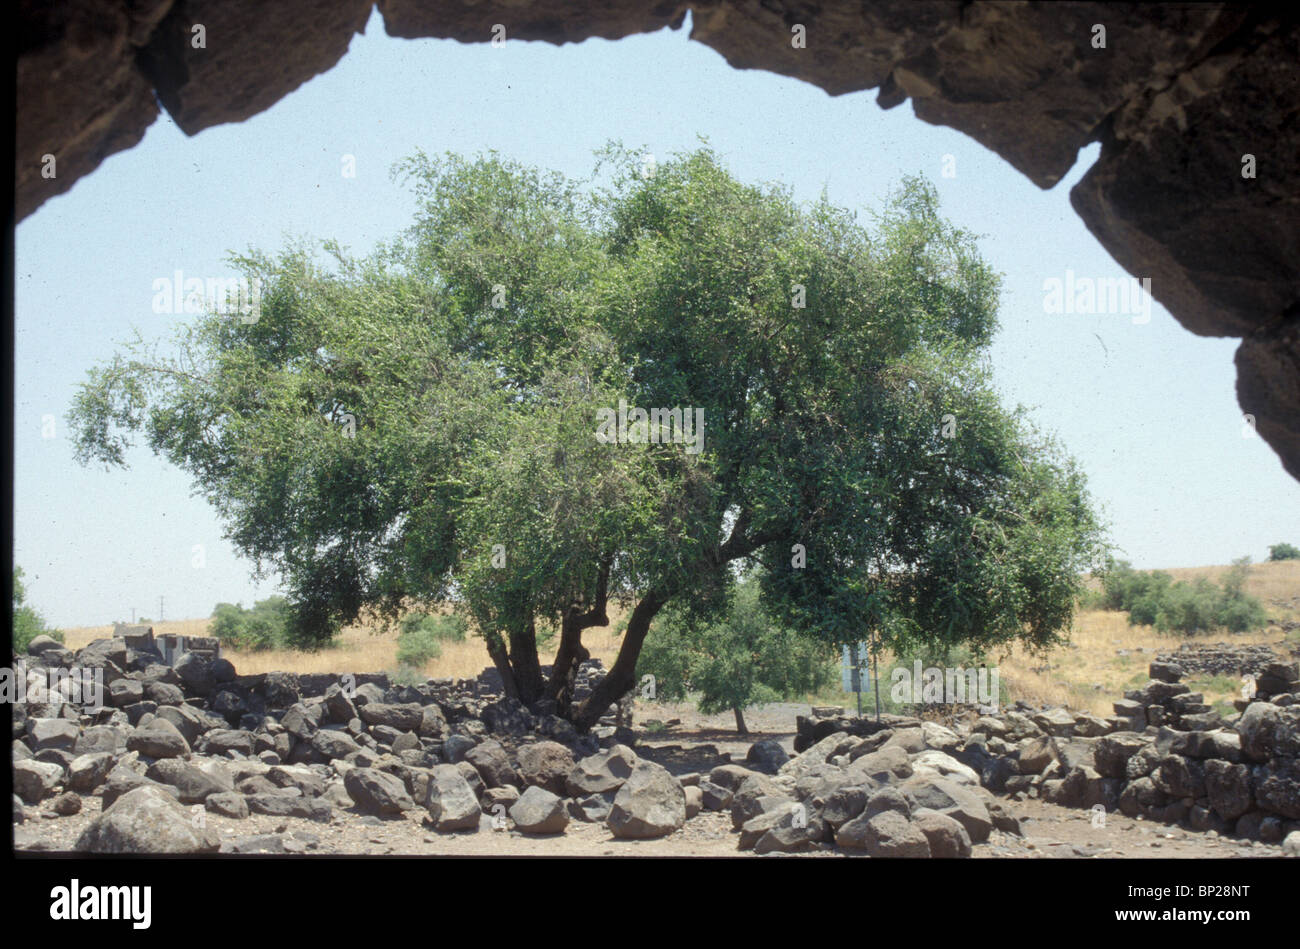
column 1212, row 659
column 896, row 791
column 170, row 742
column 1164, row 700
column 170, row 739
column 1168, row 759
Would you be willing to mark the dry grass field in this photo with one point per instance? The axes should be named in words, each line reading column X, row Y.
column 1086, row 673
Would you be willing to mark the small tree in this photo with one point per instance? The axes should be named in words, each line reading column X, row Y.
column 1283, row 552
column 741, row 659
column 265, row 626
column 28, row 624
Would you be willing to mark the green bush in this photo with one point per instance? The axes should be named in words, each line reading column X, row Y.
column 418, row 645
column 28, row 624
column 1283, row 552
column 1155, row 599
column 266, row 626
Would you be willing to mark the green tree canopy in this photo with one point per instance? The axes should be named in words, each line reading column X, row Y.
column 738, row 659
column 27, row 623
column 421, row 422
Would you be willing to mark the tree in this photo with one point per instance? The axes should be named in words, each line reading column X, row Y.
column 28, row 624
column 739, row 659
column 422, row 423
column 1283, row 552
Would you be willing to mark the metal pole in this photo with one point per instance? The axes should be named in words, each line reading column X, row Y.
column 857, row 675
column 875, row 667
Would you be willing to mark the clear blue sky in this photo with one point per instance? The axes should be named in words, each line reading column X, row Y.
column 1149, row 410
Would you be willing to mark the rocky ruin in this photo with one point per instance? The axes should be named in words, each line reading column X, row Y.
column 173, row 743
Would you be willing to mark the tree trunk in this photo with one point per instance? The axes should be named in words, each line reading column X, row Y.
column 501, row 659
column 740, row 722
column 568, row 659
column 572, row 654
column 622, row 676
column 527, row 669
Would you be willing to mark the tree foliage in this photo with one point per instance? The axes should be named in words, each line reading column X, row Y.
column 738, row 659
column 27, row 623
column 1156, row 599
column 419, row 423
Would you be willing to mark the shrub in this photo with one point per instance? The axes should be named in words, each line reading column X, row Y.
column 28, row 624
column 417, row 646
column 1155, row 599
column 1283, row 552
column 266, row 626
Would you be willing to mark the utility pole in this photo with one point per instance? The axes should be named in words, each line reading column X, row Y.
column 160, row 609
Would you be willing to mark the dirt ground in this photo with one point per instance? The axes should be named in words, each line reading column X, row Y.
column 692, row 743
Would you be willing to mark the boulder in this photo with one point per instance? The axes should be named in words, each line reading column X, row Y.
column 451, row 801
column 281, row 804
column 192, row 785
column 937, row 764
column 546, row 764
column 377, row 792
column 766, row 756
column 651, row 803
column 1056, row 722
column 109, row 738
column 1277, row 787
column 329, row 744
column 538, row 811
column 592, row 809
column 89, row 771
column 884, row 834
column 1111, row 754
column 790, row 831
column 1267, row 730
column 52, row 733
column 227, row 804
column 42, row 644
column 336, row 706
column 404, row 718
column 959, row 802
column 884, row 765
column 34, row 781
column 604, row 771
column 147, row 820
column 158, row 739
column 946, row 837
column 844, row 804
column 1180, row 777
column 694, row 800
column 492, row 763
